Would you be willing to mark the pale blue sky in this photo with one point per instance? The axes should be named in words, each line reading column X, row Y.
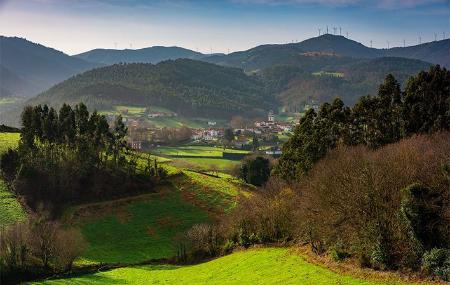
column 75, row 26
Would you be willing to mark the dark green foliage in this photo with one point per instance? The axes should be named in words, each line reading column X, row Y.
column 422, row 209
column 8, row 129
column 9, row 164
column 423, row 107
column 427, row 102
column 185, row 86
column 71, row 156
column 255, row 170
column 437, row 263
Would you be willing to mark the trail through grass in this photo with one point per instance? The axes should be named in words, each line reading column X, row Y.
column 257, row 266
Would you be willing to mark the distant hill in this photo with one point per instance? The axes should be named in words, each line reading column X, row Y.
column 185, row 86
column 154, row 55
column 27, row 68
column 328, row 49
column 294, row 86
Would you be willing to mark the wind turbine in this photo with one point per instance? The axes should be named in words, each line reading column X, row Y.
column 319, row 31
column 334, row 30
column 340, row 31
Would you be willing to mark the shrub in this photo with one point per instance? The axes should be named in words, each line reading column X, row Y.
column 204, row 240
column 338, row 252
column 436, row 262
column 355, row 195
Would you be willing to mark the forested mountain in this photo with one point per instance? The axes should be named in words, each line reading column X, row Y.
column 330, row 49
column 27, row 68
column 296, row 86
column 154, row 55
column 185, row 86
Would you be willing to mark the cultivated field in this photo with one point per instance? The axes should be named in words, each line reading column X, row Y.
column 254, row 266
column 10, row 209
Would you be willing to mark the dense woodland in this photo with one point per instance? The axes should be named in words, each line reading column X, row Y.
column 71, row 156
column 184, row 86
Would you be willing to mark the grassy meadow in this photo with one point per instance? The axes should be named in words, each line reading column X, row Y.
column 199, row 157
column 10, row 209
column 255, row 266
column 136, row 229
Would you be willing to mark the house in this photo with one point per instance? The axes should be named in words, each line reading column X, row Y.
column 211, row 123
column 271, row 117
column 136, row 145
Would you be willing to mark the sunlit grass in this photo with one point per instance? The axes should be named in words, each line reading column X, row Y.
column 256, row 266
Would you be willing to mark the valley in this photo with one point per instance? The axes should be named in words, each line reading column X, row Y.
column 313, row 161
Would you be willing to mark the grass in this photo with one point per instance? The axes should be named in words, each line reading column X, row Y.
column 10, row 209
column 8, row 140
column 216, row 194
column 137, row 230
column 192, row 150
column 256, row 266
column 205, row 163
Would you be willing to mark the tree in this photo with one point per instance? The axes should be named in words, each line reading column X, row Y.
column 255, row 143
column 255, row 170
column 228, row 137
column 9, row 165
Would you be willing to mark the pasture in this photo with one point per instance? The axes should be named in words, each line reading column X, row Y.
column 255, row 266
column 10, row 209
column 135, row 229
column 193, row 150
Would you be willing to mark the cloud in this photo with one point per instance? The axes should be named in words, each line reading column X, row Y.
column 288, row 2
column 401, row 4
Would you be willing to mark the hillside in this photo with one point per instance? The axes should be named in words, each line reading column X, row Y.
column 184, row 86
column 296, row 86
column 328, row 49
column 27, row 68
column 254, row 266
column 154, row 55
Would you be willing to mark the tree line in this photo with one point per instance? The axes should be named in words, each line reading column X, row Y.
column 422, row 107
column 72, row 155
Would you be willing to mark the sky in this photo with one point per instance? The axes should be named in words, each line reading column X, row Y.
column 75, row 26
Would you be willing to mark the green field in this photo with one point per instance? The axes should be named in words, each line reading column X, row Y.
column 8, row 140
column 256, row 266
column 10, row 209
column 216, row 194
column 193, row 150
column 137, row 230
column 205, row 163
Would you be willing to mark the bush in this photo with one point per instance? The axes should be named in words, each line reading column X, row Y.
column 436, row 262
column 355, row 195
column 205, row 241
column 338, row 252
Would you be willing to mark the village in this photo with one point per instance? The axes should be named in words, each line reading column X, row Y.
column 264, row 135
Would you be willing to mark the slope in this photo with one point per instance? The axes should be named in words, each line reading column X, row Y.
column 184, row 86
column 28, row 68
column 154, row 55
column 256, row 266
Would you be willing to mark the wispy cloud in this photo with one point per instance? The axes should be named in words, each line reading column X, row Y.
column 288, row 2
column 402, row 4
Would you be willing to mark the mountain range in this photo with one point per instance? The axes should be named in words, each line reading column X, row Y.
column 27, row 68
column 276, row 75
